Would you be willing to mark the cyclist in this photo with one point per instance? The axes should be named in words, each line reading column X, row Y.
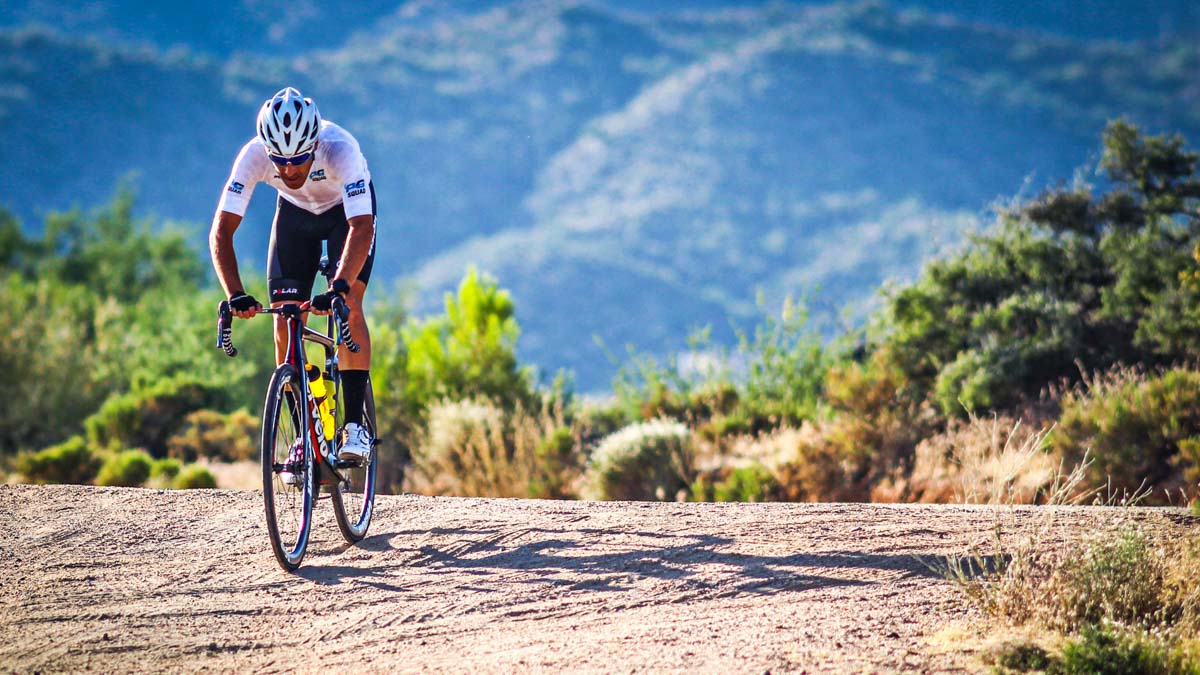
column 325, row 195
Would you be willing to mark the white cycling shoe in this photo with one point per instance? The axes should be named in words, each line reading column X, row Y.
column 356, row 443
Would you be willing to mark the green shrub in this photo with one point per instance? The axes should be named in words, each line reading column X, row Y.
column 195, row 477
column 1112, row 650
column 1140, row 429
column 1022, row 657
column 1117, row 576
column 772, row 379
column 51, row 353
column 556, row 459
column 163, row 472
column 129, row 468
column 208, row 434
column 1068, row 280
column 643, row 461
column 167, row 467
column 752, row 483
column 146, row 418
column 70, row 462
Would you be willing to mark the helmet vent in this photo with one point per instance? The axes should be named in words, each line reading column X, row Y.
column 289, row 124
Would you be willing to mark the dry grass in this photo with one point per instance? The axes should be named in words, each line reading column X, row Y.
column 1129, row 591
column 994, row 460
column 475, row 448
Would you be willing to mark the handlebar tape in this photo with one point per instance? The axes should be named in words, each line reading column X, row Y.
column 225, row 328
column 342, row 312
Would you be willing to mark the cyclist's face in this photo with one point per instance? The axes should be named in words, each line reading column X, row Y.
column 294, row 176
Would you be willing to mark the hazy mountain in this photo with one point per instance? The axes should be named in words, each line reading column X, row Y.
column 627, row 170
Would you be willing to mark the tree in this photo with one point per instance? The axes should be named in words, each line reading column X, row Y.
column 1071, row 280
column 469, row 352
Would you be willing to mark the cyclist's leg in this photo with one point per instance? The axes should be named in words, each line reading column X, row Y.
column 292, row 260
column 353, row 366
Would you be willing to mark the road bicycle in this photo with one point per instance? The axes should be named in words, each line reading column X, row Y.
column 299, row 455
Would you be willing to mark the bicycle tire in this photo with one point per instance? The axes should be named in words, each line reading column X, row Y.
column 354, row 504
column 288, row 508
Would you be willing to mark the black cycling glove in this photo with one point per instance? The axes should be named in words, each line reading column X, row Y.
column 324, row 301
column 242, row 302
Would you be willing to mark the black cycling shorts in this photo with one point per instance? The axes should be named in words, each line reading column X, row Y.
column 295, row 251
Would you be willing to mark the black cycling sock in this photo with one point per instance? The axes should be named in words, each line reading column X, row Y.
column 354, row 390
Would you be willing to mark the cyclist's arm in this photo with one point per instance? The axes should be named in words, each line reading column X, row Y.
column 220, row 246
column 358, row 247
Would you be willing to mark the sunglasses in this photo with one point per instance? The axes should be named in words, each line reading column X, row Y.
column 290, row 161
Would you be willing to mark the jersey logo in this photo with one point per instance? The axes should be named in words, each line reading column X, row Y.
column 317, row 175
column 236, row 187
column 356, row 188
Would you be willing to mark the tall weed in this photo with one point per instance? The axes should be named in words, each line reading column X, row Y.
column 995, row 460
column 477, row 448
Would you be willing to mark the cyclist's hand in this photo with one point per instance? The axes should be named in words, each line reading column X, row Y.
column 322, row 304
column 244, row 305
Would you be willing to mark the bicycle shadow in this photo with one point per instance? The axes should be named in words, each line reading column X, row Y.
column 560, row 557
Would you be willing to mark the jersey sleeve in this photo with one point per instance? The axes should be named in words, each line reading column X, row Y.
column 351, row 168
column 246, row 173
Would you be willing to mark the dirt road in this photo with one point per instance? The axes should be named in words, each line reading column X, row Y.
column 128, row 579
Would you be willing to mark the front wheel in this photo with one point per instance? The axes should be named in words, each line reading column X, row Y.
column 354, row 496
column 289, row 479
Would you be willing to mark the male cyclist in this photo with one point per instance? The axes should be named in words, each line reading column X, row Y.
column 325, row 195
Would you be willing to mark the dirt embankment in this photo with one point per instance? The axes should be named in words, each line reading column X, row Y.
column 127, row 579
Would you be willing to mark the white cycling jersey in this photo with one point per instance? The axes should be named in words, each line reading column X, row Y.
column 338, row 175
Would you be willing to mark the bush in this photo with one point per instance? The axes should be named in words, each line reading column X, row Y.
column 772, row 379
column 70, row 462
column 1021, row 657
column 1142, row 429
column 643, row 461
column 129, row 468
column 195, row 477
column 1117, row 576
column 876, row 423
column 215, row 436
column 1119, row 651
column 814, row 468
column 146, row 418
column 163, row 472
column 476, row 448
column 752, row 483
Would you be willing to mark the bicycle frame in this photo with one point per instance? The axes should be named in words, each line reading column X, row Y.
column 338, row 334
column 296, row 357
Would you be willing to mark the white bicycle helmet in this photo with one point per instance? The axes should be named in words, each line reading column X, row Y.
column 288, row 123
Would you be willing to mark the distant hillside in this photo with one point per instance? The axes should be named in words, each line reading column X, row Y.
column 627, row 174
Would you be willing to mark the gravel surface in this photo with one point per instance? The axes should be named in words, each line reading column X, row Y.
column 118, row 579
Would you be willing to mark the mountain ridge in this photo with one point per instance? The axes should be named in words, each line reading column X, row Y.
column 578, row 150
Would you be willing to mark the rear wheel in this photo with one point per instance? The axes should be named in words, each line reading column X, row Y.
column 354, row 496
column 289, row 505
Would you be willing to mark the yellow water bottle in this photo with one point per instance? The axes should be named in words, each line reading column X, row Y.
column 316, row 384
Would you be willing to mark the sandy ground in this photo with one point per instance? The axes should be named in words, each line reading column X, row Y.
column 117, row 579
